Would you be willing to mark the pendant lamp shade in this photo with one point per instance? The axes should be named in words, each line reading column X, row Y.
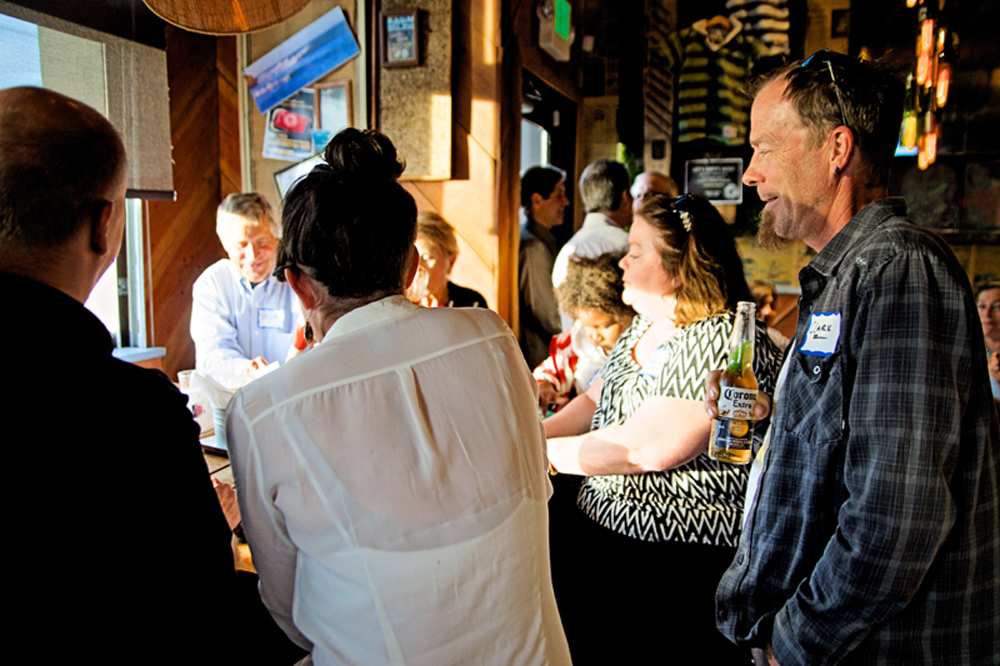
column 224, row 17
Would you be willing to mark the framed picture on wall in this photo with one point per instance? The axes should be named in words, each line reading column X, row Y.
column 333, row 106
column 840, row 23
column 401, row 38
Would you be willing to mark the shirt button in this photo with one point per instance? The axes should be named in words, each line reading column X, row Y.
column 816, row 370
column 721, row 614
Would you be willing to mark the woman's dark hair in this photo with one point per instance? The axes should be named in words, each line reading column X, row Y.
column 349, row 224
column 697, row 247
column 594, row 283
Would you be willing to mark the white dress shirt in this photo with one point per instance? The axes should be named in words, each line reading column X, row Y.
column 392, row 483
column 597, row 236
column 232, row 322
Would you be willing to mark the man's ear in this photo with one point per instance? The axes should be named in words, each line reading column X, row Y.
column 842, row 149
column 100, row 228
column 412, row 264
column 625, row 203
column 304, row 287
column 536, row 200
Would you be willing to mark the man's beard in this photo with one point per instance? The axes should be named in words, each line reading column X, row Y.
column 767, row 237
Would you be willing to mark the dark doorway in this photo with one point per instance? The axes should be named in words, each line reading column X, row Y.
column 548, row 137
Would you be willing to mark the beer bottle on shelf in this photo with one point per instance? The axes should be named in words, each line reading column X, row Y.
column 731, row 438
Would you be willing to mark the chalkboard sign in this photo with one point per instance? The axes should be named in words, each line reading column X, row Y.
column 719, row 179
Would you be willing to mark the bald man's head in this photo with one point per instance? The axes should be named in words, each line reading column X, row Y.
column 60, row 162
column 652, row 182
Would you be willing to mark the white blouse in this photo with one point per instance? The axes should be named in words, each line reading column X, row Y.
column 393, row 488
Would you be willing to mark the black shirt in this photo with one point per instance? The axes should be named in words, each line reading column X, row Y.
column 463, row 297
column 116, row 545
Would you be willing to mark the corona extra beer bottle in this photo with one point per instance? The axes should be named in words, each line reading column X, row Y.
column 731, row 438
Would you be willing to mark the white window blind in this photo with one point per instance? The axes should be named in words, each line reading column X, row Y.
column 124, row 80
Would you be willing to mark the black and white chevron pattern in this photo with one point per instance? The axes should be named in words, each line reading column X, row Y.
column 702, row 501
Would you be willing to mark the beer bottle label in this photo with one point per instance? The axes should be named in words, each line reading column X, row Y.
column 737, row 403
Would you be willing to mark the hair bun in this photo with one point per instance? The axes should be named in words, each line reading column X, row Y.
column 367, row 154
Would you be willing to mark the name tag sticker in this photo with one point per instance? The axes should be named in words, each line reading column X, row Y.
column 822, row 334
column 270, row 318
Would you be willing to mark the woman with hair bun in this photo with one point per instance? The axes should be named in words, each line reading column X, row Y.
column 658, row 520
column 387, row 524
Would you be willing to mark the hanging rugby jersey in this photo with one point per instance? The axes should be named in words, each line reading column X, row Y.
column 711, row 61
column 766, row 21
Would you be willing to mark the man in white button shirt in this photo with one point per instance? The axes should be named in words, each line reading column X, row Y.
column 604, row 190
column 242, row 318
column 606, row 198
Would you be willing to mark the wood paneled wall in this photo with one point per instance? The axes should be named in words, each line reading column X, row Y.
column 469, row 201
column 181, row 234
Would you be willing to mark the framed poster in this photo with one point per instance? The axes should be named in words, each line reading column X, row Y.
column 333, row 106
column 401, row 38
column 308, row 55
column 288, row 132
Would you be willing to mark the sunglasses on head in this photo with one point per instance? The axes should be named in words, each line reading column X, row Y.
column 824, row 59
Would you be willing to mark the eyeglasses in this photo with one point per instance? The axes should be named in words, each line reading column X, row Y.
column 827, row 57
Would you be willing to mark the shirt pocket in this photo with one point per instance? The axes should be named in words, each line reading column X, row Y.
column 813, row 399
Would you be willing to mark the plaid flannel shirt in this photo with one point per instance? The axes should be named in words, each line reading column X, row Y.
column 875, row 534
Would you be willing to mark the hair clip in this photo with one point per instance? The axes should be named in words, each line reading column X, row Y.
column 685, row 220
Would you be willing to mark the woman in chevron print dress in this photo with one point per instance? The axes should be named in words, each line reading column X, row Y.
column 660, row 520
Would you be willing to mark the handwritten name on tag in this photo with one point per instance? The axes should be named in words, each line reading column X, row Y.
column 822, row 334
column 270, row 318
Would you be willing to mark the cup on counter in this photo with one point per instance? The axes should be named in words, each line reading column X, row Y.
column 184, row 379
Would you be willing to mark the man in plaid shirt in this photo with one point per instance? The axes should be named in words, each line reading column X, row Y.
column 872, row 530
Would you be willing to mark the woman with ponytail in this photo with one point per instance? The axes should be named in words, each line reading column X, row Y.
column 660, row 520
column 392, row 479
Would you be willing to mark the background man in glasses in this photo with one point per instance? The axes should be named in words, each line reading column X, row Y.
column 871, row 528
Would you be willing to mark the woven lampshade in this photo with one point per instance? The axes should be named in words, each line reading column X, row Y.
column 224, row 17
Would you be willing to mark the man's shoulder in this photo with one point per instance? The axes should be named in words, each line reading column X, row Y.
column 142, row 385
column 598, row 240
column 220, row 272
column 899, row 239
column 534, row 250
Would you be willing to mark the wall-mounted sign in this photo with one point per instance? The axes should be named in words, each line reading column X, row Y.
column 720, row 180
column 401, row 38
column 555, row 28
column 311, row 53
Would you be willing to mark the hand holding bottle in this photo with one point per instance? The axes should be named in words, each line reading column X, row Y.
column 761, row 408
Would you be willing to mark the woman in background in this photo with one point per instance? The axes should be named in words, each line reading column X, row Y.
column 438, row 249
column 766, row 296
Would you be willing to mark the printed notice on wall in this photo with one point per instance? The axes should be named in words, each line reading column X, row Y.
column 720, row 180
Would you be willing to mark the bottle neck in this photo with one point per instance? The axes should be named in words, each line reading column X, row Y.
column 741, row 346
